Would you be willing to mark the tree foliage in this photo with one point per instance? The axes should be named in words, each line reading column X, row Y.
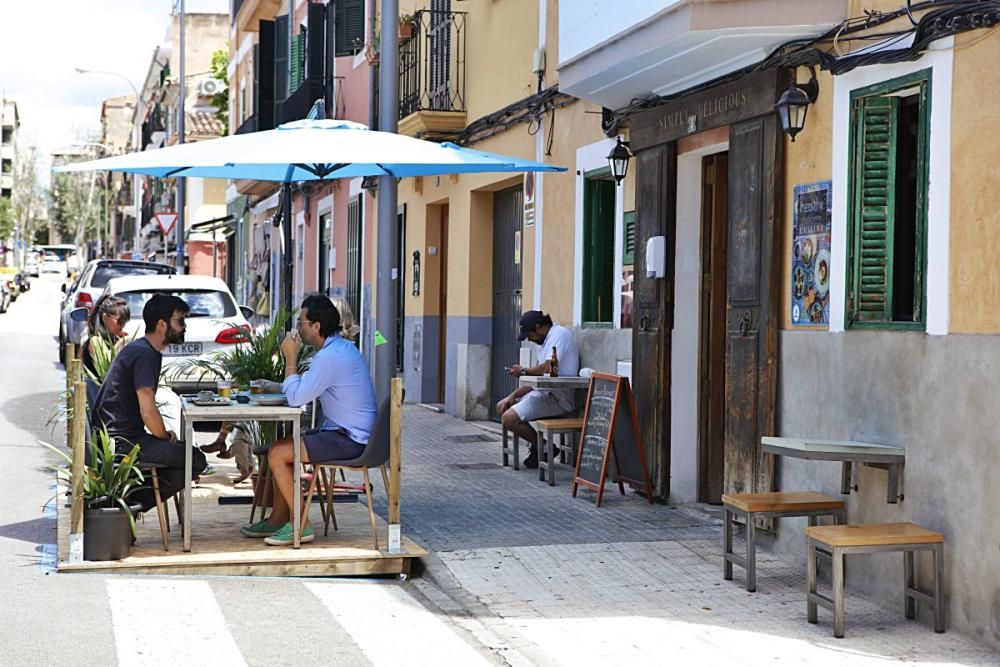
column 220, row 70
column 73, row 207
column 8, row 219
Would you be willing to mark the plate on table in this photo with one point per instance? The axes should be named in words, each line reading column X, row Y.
column 270, row 399
column 212, row 402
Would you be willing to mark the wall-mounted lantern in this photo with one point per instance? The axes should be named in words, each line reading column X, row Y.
column 416, row 273
column 794, row 103
column 618, row 159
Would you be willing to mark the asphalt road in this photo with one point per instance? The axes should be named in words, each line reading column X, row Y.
column 48, row 618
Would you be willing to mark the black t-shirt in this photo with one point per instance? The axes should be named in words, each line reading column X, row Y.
column 117, row 404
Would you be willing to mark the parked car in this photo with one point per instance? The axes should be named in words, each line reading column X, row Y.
column 52, row 264
column 8, row 275
column 4, row 296
column 86, row 290
column 31, row 266
column 214, row 324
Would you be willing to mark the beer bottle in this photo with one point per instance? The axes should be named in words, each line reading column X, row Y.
column 554, row 363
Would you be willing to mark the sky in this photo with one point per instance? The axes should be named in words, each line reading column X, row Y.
column 42, row 43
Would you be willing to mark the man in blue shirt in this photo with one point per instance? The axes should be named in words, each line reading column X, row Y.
column 339, row 378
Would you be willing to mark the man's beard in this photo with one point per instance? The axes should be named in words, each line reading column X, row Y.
column 175, row 336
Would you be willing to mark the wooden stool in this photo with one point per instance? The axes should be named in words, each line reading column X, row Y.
column 906, row 537
column 547, row 430
column 750, row 506
column 511, row 450
column 162, row 508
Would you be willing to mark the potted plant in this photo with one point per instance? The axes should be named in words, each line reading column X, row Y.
column 371, row 51
column 407, row 23
column 109, row 478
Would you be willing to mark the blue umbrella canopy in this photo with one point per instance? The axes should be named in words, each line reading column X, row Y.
column 310, row 150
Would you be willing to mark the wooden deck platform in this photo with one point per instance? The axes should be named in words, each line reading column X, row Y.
column 217, row 548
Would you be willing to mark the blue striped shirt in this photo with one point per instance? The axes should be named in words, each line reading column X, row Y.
column 339, row 378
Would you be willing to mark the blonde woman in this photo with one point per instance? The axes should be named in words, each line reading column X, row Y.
column 348, row 327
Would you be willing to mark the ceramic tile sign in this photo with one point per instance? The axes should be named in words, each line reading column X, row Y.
column 811, row 254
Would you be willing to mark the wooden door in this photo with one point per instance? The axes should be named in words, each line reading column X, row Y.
column 656, row 208
column 712, row 384
column 752, row 298
column 508, row 221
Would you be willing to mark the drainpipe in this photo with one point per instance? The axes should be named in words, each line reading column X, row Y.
column 385, row 306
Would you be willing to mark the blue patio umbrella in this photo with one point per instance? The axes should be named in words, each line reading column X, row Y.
column 309, row 150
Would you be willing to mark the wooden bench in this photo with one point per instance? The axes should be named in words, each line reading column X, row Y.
column 548, row 430
column 751, row 506
column 842, row 540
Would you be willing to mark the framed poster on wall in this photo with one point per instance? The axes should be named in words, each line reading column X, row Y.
column 810, row 284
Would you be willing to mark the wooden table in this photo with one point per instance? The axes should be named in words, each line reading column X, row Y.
column 240, row 412
column 847, row 452
column 542, row 382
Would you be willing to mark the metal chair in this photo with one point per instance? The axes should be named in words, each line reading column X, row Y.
column 375, row 455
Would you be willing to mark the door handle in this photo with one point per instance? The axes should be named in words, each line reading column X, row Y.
column 644, row 322
column 745, row 323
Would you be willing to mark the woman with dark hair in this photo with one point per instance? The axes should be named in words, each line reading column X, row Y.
column 107, row 321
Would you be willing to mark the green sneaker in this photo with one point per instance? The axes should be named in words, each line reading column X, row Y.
column 283, row 536
column 259, row 529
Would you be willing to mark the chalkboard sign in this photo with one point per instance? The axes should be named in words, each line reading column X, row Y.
column 610, row 437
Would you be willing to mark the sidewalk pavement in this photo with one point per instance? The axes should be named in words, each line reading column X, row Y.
column 544, row 578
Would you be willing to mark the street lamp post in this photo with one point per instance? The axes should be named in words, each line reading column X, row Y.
column 136, row 147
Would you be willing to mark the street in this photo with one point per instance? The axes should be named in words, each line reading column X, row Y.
column 519, row 573
column 97, row 620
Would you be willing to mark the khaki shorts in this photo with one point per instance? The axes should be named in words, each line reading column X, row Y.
column 538, row 405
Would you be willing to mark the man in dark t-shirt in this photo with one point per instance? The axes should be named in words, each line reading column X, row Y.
column 126, row 403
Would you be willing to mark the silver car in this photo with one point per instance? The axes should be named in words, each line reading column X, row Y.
column 85, row 292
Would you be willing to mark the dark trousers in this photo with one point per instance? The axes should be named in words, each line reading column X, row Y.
column 168, row 457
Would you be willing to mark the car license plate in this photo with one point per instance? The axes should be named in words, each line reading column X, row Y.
column 182, row 350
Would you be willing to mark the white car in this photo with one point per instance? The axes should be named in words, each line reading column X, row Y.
column 214, row 323
column 52, row 264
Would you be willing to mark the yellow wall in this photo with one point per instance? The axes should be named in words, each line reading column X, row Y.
column 807, row 160
column 975, row 197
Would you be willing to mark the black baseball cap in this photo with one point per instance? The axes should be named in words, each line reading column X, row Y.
column 530, row 320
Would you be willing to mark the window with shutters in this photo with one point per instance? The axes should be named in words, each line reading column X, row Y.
column 628, row 238
column 349, row 27
column 598, row 248
column 297, row 62
column 887, row 218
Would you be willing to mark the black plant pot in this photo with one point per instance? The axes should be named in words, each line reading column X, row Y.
column 107, row 534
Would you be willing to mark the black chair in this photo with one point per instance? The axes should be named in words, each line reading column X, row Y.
column 376, row 455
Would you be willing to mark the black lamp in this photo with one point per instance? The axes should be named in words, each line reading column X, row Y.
column 618, row 159
column 793, row 105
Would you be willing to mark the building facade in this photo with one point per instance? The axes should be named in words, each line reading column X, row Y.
column 834, row 287
column 9, row 124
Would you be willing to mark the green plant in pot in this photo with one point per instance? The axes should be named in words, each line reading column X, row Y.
column 109, row 478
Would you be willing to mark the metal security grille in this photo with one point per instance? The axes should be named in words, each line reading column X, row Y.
column 354, row 246
column 508, row 209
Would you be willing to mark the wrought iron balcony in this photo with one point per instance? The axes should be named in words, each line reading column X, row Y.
column 432, row 76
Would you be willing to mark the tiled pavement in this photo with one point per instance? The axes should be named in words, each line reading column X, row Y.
column 544, row 578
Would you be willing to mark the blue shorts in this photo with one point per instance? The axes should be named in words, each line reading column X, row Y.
column 330, row 446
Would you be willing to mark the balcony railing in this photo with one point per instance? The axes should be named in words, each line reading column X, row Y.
column 432, row 64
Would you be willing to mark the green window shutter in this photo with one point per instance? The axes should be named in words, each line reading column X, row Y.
column 280, row 58
column 628, row 238
column 874, row 209
column 295, row 63
column 599, row 250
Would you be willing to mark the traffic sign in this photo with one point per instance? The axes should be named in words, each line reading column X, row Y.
column 166, row 222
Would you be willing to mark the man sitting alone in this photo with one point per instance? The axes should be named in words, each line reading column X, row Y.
column 126, row 403
column 526, row 404
column 338, row 376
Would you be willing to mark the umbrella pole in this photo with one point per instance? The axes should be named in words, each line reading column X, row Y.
column 289, row 258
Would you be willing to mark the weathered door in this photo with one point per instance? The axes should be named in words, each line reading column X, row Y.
column 508, row 211
column 712, row 386
column 656, row 207
column 752, row 283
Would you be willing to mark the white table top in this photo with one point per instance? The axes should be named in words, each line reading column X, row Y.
column 541, row 382
column 237, row 411
column 846, row 448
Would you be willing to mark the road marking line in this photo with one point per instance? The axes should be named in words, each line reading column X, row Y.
column 177, row 621
column 391, row 627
